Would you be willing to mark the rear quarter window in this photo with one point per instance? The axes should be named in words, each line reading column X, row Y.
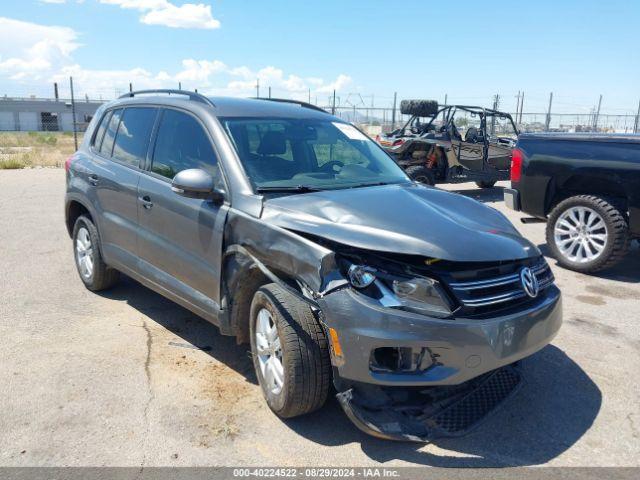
column 97, row 139
column 106, row 147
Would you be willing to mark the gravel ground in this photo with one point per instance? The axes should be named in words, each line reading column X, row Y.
column 127, row 378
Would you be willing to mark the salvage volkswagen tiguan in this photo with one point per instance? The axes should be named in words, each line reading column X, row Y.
column 294, row 232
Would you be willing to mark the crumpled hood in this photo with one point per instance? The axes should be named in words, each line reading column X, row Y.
column 406, row 219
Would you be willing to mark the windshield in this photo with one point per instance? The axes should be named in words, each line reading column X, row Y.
column 303, row 154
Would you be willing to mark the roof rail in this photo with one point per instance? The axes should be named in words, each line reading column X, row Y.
column 296, row 102
column 192, row 95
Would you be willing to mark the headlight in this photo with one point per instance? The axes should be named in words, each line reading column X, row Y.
column 417, row 294
column 361, row 276
column 421, row 294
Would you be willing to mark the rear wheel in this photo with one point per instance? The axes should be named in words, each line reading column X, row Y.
column 587, row 233
column 485, row 183
column 421, row 174
column 290, row 352
column 94, row 273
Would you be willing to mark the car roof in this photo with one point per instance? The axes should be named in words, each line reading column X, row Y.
column 258, row 107
column 230, row 106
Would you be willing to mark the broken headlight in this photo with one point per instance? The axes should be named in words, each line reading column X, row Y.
column 421, row 294
column 413, row 293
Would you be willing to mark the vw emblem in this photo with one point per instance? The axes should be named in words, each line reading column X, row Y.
column 529, row 282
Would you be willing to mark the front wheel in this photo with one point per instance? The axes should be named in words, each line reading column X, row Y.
column 485, row 183
column 421, row 174
column 290, row 352
column 587, row 233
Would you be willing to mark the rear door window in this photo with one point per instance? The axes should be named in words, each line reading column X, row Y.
column 134, row 133
column 181, row 144
column 110, row 134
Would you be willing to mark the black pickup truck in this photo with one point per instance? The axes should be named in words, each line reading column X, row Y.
column 587, row 187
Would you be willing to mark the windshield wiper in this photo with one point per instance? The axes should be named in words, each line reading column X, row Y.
column 375, row 184
column 284, row 189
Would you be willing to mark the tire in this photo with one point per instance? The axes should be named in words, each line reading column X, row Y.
column 86, row 245
column 421, row 174
column 564, row 230
column 485, row 183
column 304, row 353
column 421, row 108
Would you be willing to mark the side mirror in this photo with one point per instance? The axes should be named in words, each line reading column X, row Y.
column 196, row 183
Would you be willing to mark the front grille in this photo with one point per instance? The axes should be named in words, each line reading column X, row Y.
column 490, row 292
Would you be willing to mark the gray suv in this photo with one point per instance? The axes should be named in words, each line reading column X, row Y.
column 292, row 231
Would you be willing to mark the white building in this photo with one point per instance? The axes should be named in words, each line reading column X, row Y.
column 43, row 114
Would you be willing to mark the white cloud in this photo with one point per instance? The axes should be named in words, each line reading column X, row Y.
column 163, row 12
column 338, row 85
column 32, row 50
column 36, row 55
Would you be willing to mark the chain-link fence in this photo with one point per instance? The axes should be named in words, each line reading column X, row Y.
column 46, row 114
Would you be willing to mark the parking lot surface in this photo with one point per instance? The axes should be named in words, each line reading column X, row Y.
column 127, row 378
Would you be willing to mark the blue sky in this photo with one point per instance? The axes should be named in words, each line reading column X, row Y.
column 470, row 51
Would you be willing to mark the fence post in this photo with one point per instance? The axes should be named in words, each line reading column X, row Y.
column 548, row 120
column 597, row 115
column 393, row 112
column 73, row 113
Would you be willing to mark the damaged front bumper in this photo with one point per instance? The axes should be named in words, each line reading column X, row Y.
column 459, row 349
column 432, row 413
column 468, row 371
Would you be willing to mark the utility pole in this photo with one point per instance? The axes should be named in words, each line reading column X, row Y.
column 637, row 122
column 517, row 104
column 73, row 114
column 597, row 115
column 55, row 91
column 393, row 112
column 179, row 85
column 309, row 95
column 496, row 103
column 257, row 88
column 548, row 120
column 521, row 106
column 445, row 99
column 269, row 91
column 333, row 105
column 130, row 87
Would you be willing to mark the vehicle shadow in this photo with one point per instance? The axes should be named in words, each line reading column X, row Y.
column 484, row 195
column 628, row 270
column 194, row 330
column 556, row 406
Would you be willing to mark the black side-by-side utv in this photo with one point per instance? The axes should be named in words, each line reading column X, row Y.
column 452, row 144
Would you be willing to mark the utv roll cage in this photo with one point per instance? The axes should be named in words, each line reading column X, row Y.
column 448, row 114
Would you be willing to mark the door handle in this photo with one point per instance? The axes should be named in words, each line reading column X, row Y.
column 146, row 202
column 93, row 179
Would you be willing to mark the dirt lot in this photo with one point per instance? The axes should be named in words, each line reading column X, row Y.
column 35, row 149
column 128, row 378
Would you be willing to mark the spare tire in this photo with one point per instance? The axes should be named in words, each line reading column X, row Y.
column 420, row 108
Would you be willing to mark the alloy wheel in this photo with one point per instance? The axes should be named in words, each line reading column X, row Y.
column 84, row 253
column 580, row 234
column 269, row 351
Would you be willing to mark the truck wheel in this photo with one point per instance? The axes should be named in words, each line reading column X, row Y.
column 485, row 183
column 587, row 233
column 290, row 352
column 94, row 273
column 421, row 174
